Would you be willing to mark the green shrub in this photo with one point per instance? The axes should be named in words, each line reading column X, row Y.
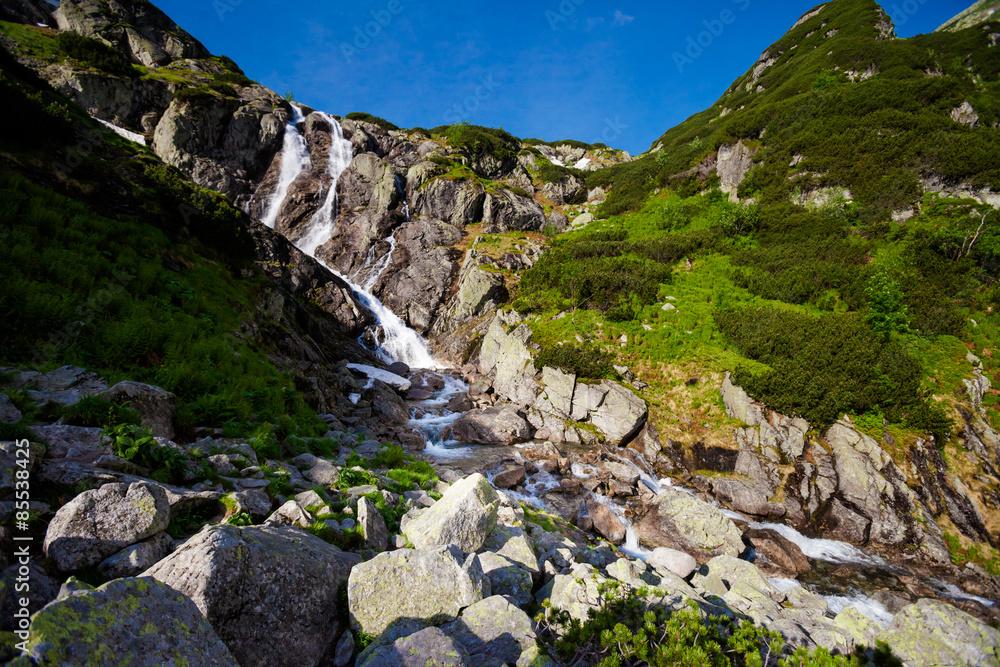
column 374, row 120
column 584, row 361
column 94, row 411
column 137, row 444
column 233, row 78
column 95, row 53
column 479, row 142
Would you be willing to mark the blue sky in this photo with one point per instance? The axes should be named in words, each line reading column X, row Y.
column 552, row 69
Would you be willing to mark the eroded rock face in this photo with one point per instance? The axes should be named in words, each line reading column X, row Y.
column 126, row 621
column 101, row 522
column 735, row 160
column 270, row 593
column 440, row 581
column 935, row 633
column 681, row 521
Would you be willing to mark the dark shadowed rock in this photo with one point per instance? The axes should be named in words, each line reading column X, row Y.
column 492, row 426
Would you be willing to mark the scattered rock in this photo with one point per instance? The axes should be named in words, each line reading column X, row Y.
column 672, row 560
column 429, row 647
column 372, row 525
column 492, row 426
column 493, row 629
column 606, row 524
column 465, row 516
column 136, row 559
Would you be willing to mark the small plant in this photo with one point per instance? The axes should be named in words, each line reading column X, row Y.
column 241, row 519
column 127, row 440
column 137, row 444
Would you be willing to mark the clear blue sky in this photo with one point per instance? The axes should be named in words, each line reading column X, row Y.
column 552, row 69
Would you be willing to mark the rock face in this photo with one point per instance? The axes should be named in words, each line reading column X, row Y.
column 126, row 621
column 101, row 522
column 440, row 581
column 735, row 160
column 683, row 522
column 934, row 633
column 157, row 407
column 136, row 28
column 270, row 593
column 464, row 517
column 492, row 426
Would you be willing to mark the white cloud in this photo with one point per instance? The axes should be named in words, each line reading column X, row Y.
column 622, row 19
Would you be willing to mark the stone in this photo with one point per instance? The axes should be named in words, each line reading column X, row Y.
column 509, row 477
column 626, row 473
column 606, row 523
column 309, row 499
column 136, row 559
column 290, row 514
column 323, row 473
column 344, row 652
column 42, row 589
column 126, row 621
column 103, row 521
column 683, row 522
column 157, row 407
column 577, row 592
column 429, row 647
column 507, row 578
column 778, row 550
column 621, row 416
column 931, row 633
column 493, row 629
column 860, row 629
column 288, row 583
column 501, row 425
column 373, row 526
column 733, row 571
column 514, row 544
column 440, row 581
column 9, row 414
column 672, row 560
column 465, row 516
column 62, row 439
column 745, row 496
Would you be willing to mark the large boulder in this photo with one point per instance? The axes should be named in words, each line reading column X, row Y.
column 430, row 585
column 270, row 593
column 507, row 357
column 931, row 633
column 459, row 203
column 493, row 629
column 506, row 211
column 501, row 425
column 429, row 647
column 136, row 559
column 156, row 407
column 465, row 516
column 101, row 522
column 621, row 416
column 125, row 622
column 606, row 523
column 682, row 521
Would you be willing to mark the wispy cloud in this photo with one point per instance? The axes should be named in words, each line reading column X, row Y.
column 622, row 19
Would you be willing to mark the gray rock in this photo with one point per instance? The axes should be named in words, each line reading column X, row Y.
column 441, row 581
column 672, row 560
column 61, row 439
column 309, row 499
column 42, row 589
column 126, row 621
column 492, row 426
column 746, row 496
column 344, row 652
column 429, row 647
column 506, row 211
column 514, row 544
column 323, row 473
column 681, row 521
column 931, row 633
column 465, row 516
column 136, row 559
column 9, row 414
column 372, row 525
column 492, row 629
column 621, row 416
column 509, row 477
column 101, row 522
column 157, row 407
column 288, row 582
column 507, row 578
column 606, row 524
column 290, row 514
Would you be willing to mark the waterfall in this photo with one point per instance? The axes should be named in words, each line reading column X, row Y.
column 396, row 341
column 294, row 160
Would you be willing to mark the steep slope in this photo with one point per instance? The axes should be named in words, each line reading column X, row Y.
column 974, row 15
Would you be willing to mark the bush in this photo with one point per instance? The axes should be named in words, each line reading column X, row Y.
column 95, row 53
column 584, row 361
column 479, row 142
column 93, row 411
column 374, row 120
column 137, row 444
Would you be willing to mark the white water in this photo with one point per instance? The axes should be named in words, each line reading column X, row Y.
column 432, row 425
column 396, row 342
column 819, row 549
column 951, row 590
column 294, row 160
column 870, row 608
column 122, row 132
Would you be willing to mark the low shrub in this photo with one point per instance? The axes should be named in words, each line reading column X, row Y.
column 584, row 361
column 95, row 53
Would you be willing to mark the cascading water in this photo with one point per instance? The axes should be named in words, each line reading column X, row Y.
column 397, row 342
column 294, row 160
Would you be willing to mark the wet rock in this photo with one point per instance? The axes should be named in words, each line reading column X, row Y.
column 442, row 581
column 288, row 583
column 465, row 516
column 606, row 524
column 136, row 621
column 681, row 521
column 101, row 522
column 778, row 551
column 931, row 633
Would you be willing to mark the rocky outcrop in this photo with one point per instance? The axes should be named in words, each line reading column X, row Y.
column 506, row 211
column 139, row 29
column 734, row 161
column 99, row 523
column 271, row 594
column 442, row 580
column 458, row 203
column 126, row 621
